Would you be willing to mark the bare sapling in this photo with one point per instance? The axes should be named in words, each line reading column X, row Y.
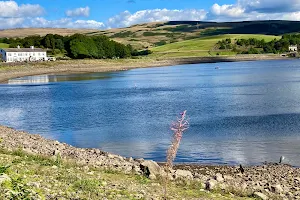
column 178, row 127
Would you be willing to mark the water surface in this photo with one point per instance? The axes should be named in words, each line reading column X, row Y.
column 243, row 112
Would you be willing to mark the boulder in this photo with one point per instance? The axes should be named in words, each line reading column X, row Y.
column 244, row 186
column 277, row 189
column 219, row 177
column 260, row 195
column 227, row 177
column 97, row 151
column 183, row 174
column 211, row 184
column 150, row 168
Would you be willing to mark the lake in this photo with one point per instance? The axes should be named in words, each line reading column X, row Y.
column 242, row 112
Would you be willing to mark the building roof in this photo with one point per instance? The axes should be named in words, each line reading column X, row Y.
column 23, row 50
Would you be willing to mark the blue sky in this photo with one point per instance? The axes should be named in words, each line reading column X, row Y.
column 102, row 10
column 105, row 14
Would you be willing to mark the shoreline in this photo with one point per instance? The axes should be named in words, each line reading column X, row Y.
column 271, row 180
column 16, row 70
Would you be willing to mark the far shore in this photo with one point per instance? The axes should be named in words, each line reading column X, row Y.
column 16, row 70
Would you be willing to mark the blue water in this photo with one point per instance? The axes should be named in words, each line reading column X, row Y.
column 243, row 112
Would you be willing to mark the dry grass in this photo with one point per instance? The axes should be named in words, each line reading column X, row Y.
column 23, row 32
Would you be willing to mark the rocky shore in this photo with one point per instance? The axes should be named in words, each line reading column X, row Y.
column 15, row 70
column 267, row 181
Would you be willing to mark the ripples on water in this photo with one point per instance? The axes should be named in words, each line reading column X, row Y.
column 244, row 112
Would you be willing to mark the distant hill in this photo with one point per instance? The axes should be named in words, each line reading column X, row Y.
column 160, row 33
column 23, row 32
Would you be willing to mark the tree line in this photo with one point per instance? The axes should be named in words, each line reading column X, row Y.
column 77, row 46
column 256, row 46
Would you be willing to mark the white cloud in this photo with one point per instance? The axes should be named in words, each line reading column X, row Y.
column 256, row 10
column 295, row 16
column 65, row 23
column 227, row 10
column 79, row 12
column 127, row 19
column 12, row 9
column 270, row 6
column 11, row 22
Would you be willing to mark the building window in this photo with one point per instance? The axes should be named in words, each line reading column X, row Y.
column 9, row 54
column 19, row 54
column 33, row 54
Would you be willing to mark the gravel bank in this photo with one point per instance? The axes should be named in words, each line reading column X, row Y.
column 270, row 181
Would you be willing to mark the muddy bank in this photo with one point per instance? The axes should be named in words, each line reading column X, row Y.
column 268, row 181
column 15, row 70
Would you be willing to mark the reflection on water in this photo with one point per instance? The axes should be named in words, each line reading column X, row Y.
column 32, row 80
column 57, row 78
column 246, row 112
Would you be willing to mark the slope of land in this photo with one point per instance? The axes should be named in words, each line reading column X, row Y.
column 23, row 32
column 157, row 33
column 204, row 46
column 3, row 45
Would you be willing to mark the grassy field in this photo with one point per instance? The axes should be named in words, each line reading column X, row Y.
column 202, row 46
column 39, row 177
column 3, row 45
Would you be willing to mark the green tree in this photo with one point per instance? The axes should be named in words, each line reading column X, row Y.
column 59, row 44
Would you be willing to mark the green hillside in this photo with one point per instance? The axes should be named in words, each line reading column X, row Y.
column 204, row 46
column 3, row 45
column 155, row 34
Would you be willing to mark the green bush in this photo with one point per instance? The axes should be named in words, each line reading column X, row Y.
column 56, row 51
column 160, row 43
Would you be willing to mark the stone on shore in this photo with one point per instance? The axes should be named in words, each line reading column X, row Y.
column 183, row 174
column 277, row 189
column 260, row 196
column 150, row 168
column 219, row 177
column 211, row 184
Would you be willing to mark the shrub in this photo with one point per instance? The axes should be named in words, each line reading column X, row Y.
column 56, row 51
column 160, row 43
column 178, row 127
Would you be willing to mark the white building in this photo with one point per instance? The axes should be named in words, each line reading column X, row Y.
column 293, row 48
column 23, row 54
